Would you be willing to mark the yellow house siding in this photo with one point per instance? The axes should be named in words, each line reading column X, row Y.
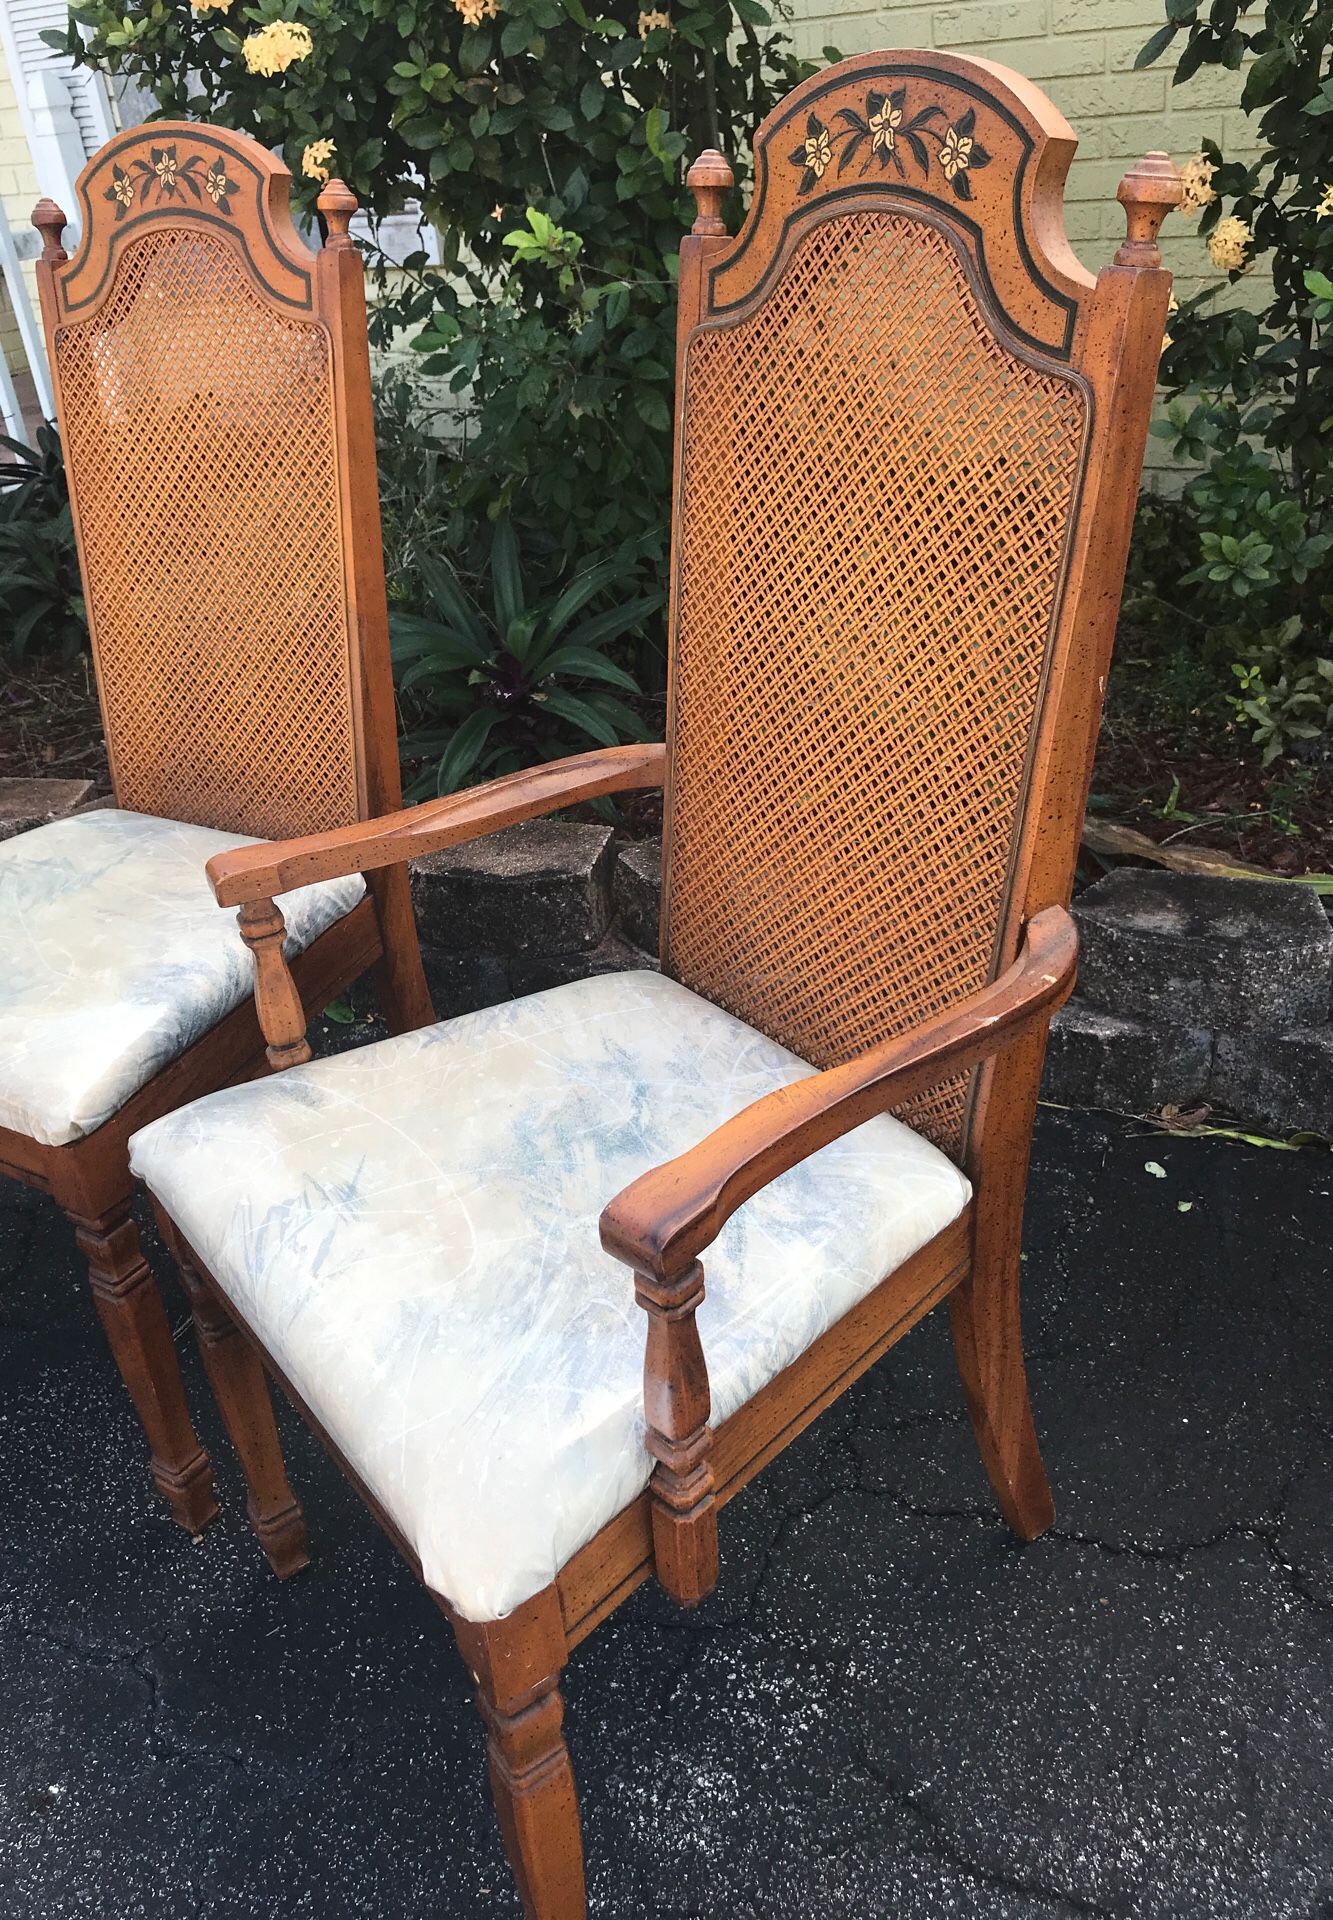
column 1082, row 53
column 18, row 191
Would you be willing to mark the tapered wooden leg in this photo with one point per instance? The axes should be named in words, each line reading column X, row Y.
column 516, row 1664
column 131, row 1310
column 400, row 978
column 241, row 1391
column 984, row 1311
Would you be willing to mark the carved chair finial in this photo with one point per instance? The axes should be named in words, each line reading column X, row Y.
column 337, row 203
column 50, row 222
column 1147, row 193
column 710, row 179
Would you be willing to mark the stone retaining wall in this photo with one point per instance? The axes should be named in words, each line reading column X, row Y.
column 1193, row 989
column 1190, row 989
column 532, row 907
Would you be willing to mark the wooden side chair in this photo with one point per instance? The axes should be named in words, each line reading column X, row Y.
column 214, row 394
column 910, row 432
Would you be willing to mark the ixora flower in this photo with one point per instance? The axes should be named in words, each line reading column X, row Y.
column 814, row 153
column 217, row 186
column 961, row 154
column 654, row 18
column 121, row 191
column 1172, row 306
column 1229, row 244
column 210, row 6
column 884, row 119
column 279, row 45
column 475, row 11
column 315, row 160
column 1324, row 204
column 1196, row 179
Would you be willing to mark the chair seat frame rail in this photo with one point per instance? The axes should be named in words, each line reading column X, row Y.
column 958, row 164
column 172, row 216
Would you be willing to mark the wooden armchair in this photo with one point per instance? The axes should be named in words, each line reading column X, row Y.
column 214, row 394
column 910, row 432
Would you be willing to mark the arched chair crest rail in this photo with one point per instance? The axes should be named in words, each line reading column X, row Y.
column 213, row 385
column 909, row 433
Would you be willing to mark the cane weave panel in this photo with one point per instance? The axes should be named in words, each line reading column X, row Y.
column 875, row 501
column 200, row 433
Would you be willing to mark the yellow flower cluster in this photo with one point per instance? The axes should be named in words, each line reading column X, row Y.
column 1172, row 306
column 475, row 11
column 315, row 160
column 1229, row 243
column 277, row 46
column 1325, row 201
column 210, row 6
column 651, row 18
column 1196, row 178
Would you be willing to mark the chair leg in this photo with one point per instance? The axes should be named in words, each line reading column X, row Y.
column 989, row 1344
column 131, row 1311
column 984, row 1310
column 516, row 1664
column 400, row 978
column 241, row 1391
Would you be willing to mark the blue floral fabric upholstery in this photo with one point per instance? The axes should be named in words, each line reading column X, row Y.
column 411, row 1230
column 115, row 957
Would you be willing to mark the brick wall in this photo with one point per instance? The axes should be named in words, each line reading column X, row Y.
column 1082, row 53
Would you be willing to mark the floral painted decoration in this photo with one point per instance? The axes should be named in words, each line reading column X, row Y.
column 218, row 186
column 884, row 133
column 121, row 191
column 163, row 175
column 165, row 170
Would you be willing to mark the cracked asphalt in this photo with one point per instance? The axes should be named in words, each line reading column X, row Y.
column 889, row 1709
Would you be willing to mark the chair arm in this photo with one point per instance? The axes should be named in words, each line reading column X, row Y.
column 256, row 873
column 661, row 1222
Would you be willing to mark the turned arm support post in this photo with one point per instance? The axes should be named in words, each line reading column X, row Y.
column 662, row 1222
column 677, row 1405
column 250, row 877
column 277, row 1002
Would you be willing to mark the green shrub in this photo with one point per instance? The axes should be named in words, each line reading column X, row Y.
column 41, row 594
column 418, row 466
column 546, row 145
column 1251, row 394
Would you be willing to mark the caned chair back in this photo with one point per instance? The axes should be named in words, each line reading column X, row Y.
column 213, row 388
column 896, row 417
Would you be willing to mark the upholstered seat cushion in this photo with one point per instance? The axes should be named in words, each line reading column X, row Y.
column 114, row 958
column 411, row 1230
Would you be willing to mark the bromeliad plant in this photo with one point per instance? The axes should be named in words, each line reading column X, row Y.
column 1251, row 392
column 41, row 594
column 518, row 681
